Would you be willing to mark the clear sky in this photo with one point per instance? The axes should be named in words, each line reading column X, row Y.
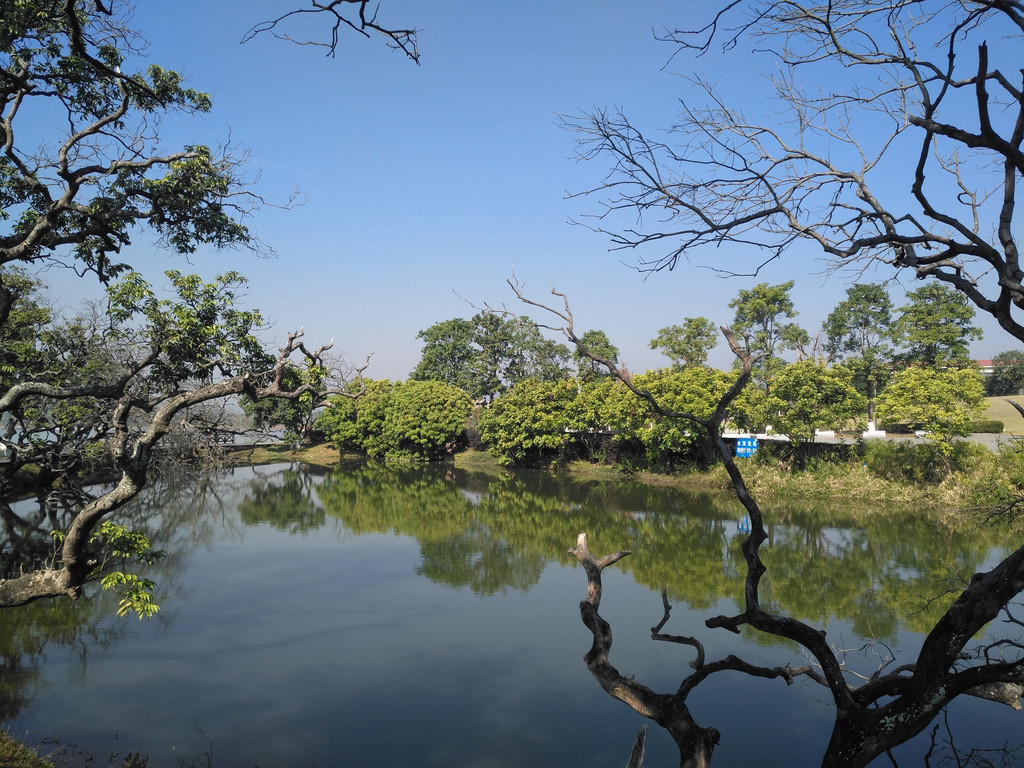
column 425, row 187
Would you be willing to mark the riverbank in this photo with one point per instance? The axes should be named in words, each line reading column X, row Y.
column 897, row 477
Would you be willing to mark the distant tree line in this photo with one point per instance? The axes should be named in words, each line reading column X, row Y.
column 531, row 400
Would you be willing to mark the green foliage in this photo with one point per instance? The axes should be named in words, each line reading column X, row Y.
column 943, row 402
column 601, row 409
column 339, row 421
column 200, row 332
column 448, row 354
column 122, row 545
column 28, row 318
column 420, row 420
column 487, row 354
column 806, row 396
column 293, row 415
column 119, row 546
column 920, row 464
column 667, row 440
column 1007, row 377
column 936, row 327
column 762, row 313
column 102, row 171
column 154, row 346
column 749, row 412
column 537, row 422
column 529, row 424
column 998, row 485
column 985, row 426
column 425, row 420
column 860, row 331
column 687, row 344
column 599, row 344
column 861, row 324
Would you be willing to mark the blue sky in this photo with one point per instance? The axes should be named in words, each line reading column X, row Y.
column 426, row 187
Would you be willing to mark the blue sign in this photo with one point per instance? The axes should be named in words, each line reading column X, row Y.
column 745, row 446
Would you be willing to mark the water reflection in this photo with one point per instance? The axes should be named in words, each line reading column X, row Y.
column 294, row 601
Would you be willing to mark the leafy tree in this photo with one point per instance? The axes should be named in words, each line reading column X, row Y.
column 527, row 425
column 807, row 396
column 597, row 343
column 936, row 326
column 354, row 425
column 487, row 354
column 538, row 357
column 940, row 401
column 104, row 172
column 371, row 417
column 694, row 389
column 761, row 317
column 861, row 324
column 859, row 331
column 689, row 343
column 495, row 337
column 117, row 381
column 149, row 362
column 600, row 410
column 448, row 354
column 20, row 331
column 1007, row 377
column 425, row 420
column 296, row 416
column 420, row 420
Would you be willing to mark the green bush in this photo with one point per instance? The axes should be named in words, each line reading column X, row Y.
column 986, row 426
column 530, row 424
column 920, row 463
column 420, row 420
column 425, row 421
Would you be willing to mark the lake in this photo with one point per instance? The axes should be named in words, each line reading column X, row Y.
column 369, row 615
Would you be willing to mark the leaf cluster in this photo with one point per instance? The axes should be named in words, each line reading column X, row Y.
column 417, row 420
column 103, row 170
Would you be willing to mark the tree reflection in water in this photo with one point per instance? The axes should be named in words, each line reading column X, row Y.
column 496, row 538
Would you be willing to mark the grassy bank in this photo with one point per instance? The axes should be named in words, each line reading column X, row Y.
column 902, row 476
column 16, row 755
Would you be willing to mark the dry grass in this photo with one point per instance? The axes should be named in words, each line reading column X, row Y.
column 478, row 461
column 999, row 408
column 16, row 755
column 323, row 455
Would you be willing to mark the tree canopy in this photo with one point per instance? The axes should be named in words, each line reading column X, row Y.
column 487, row 354
column 1007, row 377
column 936, row 326
column 689, row 343
column 84, row 170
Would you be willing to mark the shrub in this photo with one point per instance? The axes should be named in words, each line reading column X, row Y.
column 986, row 426
column 421, row 420
column 528, row 425
column 424, row 420
column 918, row 463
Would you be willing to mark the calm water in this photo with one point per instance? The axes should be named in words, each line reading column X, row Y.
column 428, row 617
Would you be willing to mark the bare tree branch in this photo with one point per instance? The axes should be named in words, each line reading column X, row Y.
column 896, row 79
column 362, row 21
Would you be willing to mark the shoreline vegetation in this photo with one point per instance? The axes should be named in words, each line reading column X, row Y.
column 959, row 490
